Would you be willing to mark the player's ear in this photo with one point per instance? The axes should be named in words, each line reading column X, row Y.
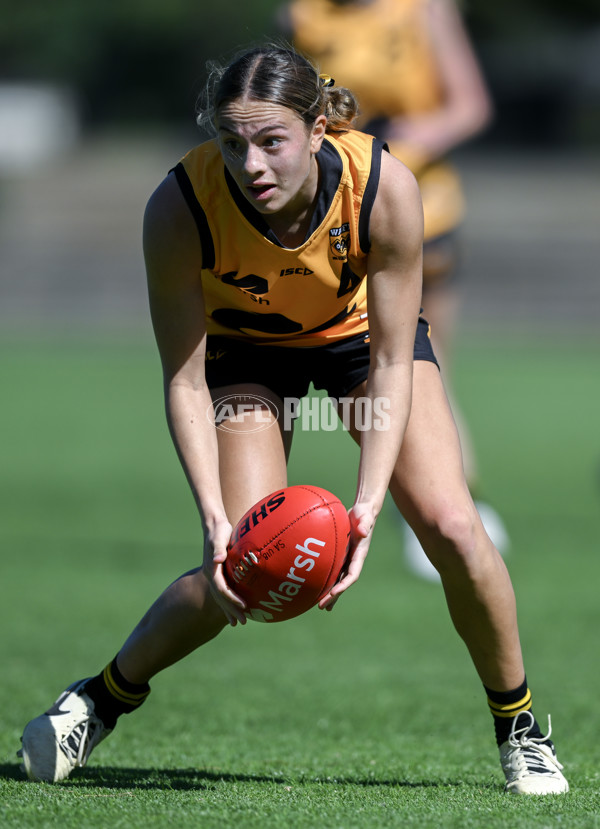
column 317, row 133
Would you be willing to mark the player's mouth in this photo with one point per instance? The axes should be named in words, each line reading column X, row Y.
column 260, row 192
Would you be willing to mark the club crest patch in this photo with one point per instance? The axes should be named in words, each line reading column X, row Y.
column 339, row 241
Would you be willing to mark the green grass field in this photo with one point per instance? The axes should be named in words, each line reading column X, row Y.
column 371, row 716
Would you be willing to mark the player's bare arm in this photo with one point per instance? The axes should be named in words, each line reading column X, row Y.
column 394, row 284
column 173, row 257
column 466, row 107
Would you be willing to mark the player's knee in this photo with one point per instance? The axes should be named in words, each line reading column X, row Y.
column 451, row 538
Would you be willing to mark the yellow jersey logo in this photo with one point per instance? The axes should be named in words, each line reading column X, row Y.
column 339, row 241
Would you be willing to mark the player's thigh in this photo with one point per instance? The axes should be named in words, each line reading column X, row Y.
column 428, row 477
column 254, row 443
column 428, row 480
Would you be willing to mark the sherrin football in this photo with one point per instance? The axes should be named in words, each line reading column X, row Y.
column 287, row 551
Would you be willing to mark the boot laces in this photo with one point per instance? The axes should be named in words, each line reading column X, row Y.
column 534, row 757
column 78, row 743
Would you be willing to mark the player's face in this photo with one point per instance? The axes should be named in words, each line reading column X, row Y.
column 270, row 152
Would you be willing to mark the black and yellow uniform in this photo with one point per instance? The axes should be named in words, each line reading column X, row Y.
column 382, row 51
column 277, row 307
column 256, row 288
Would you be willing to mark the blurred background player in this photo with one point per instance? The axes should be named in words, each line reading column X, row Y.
column 420, row 89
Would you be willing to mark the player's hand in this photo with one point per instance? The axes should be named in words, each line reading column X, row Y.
column 362, row 522
column 410, row 141
column 215, row 553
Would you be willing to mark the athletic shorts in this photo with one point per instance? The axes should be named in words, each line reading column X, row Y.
column 338, row 367
column 441, row 259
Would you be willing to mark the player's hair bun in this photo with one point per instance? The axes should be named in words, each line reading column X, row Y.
column 340, row 107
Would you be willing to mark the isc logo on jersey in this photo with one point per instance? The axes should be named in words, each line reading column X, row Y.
column 292, row 584
column 295, row 271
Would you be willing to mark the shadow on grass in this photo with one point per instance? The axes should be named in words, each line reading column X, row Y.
column 109, row 777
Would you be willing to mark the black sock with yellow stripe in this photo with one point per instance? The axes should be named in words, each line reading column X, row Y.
column 113, row 695
column 506, row 705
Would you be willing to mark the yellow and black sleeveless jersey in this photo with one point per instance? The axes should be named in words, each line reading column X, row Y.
column 382, row 51
column 256, row 288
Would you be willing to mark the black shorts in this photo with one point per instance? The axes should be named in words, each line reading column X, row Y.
column 338, row 368
column 441, row 259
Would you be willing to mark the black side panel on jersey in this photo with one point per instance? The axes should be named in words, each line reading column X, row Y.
column 206, row 240
column 369, row 195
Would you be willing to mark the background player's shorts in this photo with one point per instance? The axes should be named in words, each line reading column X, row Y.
column 338, row 368
column 441, row 257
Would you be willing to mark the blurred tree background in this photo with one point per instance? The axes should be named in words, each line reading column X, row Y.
column 127, row 60
column 143, row 61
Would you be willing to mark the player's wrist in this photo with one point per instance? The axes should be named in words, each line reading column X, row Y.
column 214, row 520
column 371, row 504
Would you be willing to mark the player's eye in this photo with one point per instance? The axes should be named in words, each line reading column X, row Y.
column 273, row 141
column 232, row 145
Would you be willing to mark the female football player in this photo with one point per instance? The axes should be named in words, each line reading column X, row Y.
column 266, row 247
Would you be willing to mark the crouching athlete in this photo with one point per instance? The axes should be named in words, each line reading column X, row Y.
column 266, row 247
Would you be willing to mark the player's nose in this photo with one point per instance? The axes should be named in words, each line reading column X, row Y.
column 253, row 160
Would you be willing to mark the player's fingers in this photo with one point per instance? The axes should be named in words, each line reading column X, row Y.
column 222, row 586
column 329, row 600
column 349, row 579
column 352, row 572
column 219, row 557
column 232, row 605
column 363, row 527
column 232, row 613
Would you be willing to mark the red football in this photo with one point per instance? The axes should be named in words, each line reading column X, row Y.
column 287, row 551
